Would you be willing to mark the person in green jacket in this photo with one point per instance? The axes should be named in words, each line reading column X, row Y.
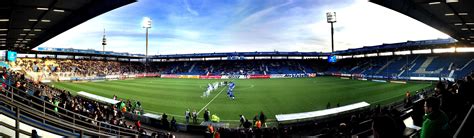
column 56, row 104
column 435, row 122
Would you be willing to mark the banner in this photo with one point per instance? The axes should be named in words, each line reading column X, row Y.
column 64, row 78
column 234, row 77
column 259, row 77
column 346, row 75
column 122, row 77
column 300, row 75
column 296, row 75
column 152, row 75
column 169, row 76
column 277, row 76
column 45, row 81
column 75, row 79
column 188, row 76
column 210, row 77
column 112, row 76
column 358, row 75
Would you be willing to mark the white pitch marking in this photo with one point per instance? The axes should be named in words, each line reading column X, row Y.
column 211, row 100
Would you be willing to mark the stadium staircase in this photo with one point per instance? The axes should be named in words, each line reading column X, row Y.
column 384, row 66
column 192, row 67
column 466, row 69
column 423, row 69
column 354, row 68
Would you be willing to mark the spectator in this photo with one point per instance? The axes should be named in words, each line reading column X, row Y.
column 407, row 99
column 194, row 116
column 138, row 124
column 34, row 134
column 435, row 122
column 206, row 115
column 247, row 124
column 263, row 118
column 187, row 114
column 255, row 118
column 164, row 122
column 210, row 129
column 258, row 124
column 385, row 127
column 173, row 124
column 242, row 120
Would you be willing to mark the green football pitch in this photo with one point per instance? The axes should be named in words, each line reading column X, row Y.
column 272, row 96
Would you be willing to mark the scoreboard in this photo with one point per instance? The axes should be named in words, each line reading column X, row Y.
column 11, row 56
column 6, row 55
column 332, row 59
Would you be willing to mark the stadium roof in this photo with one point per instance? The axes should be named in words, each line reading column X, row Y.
column 453, row 17
column 409, row 45
column 25, row 24
column 83, row 54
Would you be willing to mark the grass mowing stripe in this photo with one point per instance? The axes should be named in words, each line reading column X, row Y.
column 272, row 96
column 144, row 85
column 146, row 90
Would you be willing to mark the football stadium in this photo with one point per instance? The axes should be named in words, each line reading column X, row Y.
column 238, row 75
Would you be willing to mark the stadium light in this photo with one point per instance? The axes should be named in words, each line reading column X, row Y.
column 331, row 16
column 104, row 42
column 146, row 24
column 42, row 9
column 451, row 1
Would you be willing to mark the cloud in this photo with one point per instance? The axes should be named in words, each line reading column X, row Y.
column 244, row 25
column 188, row 8
column 255, row 17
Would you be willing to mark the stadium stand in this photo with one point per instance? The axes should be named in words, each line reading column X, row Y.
column 27, row 101
column 356, row 123
column 56, row 108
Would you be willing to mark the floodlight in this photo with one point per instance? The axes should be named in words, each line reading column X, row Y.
column 331, row 16
column 146, row 22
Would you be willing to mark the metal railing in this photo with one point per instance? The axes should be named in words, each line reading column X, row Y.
column 67, row 120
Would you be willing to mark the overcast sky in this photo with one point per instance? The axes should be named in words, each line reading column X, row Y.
column 203, row 26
